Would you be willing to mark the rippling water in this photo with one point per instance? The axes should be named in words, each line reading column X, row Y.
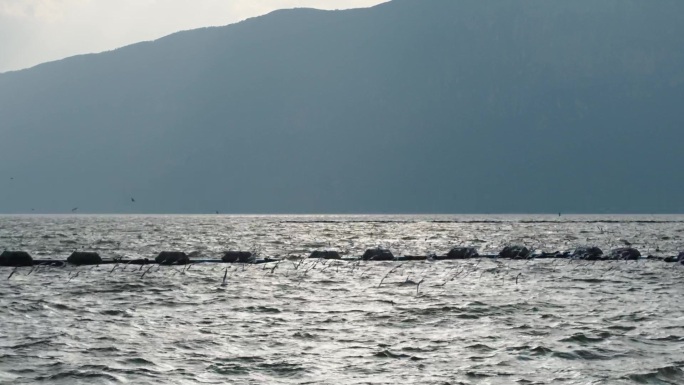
column 468, row 322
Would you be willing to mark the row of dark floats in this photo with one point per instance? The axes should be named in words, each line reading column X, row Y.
column 22, row 258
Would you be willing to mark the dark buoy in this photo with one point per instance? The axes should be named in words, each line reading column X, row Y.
column 625, row 253
column 84, row 258
column 462, row 253
column 15, row 258
column 378, row 255
column 515, row 252
column 238, row 256
column 325, row 254
column 172, row 258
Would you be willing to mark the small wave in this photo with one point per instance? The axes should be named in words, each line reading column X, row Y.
column 228, row 369
column 104, row 348
column 32, row 344
column 420, row 350
column 260, row 309
column 389, row 354
column 632, row 317
column 139, row 361
column 481, row 348
column 665, row 375
column 466, row 312
column 248, row 359
column 591, row 355
column 590, row 280
column 478, row 374
column 61, row 306
column 305, row 336
column 584, row 339
column 89, row 375
column 622, row 327
column 533, row 350
column 112, row 312
column 540, row 350
column 282, row 368
column 671, row 338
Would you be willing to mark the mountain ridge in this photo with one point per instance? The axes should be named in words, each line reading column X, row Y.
column 433, row 106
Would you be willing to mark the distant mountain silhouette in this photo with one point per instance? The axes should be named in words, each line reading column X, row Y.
column 410, row 106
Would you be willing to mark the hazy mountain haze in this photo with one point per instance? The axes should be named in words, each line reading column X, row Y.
column 409, row 106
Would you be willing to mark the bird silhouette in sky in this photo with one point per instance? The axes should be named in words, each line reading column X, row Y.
column 74, row 209
column 132, row 200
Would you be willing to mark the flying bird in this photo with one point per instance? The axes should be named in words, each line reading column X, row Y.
column 132, row 200
column 74, row 209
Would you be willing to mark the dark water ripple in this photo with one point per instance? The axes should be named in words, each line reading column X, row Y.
column 563, row 322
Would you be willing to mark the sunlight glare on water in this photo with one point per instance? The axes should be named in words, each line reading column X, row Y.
column 480, row 321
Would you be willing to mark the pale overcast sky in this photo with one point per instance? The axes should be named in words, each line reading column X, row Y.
column 36, row 31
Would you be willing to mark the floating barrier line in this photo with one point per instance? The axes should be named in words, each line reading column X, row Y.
column 406, row 258
column 22, row 258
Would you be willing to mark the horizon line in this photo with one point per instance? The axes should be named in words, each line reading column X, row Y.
column 555, row 214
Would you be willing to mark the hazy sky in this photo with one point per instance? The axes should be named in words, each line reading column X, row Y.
column 36, row 31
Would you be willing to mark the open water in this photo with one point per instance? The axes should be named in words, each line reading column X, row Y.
column 481, row 321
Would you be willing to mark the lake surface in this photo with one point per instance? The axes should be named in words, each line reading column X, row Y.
column 485, row 321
